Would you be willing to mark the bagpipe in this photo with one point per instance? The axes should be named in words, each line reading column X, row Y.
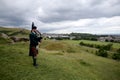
column 39, row 35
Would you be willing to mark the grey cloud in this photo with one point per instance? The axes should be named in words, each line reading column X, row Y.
column 49, row 13
column 75, row 10
column 95, row 26
column 16, row 13
column 57, row 10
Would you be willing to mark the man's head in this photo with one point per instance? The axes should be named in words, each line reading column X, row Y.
column 34, row 27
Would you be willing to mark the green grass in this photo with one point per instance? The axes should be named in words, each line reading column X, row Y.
column 4, row 41
column 15, row 64
column 115, row 45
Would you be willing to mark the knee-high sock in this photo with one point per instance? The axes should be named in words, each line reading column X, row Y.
column 34, row 60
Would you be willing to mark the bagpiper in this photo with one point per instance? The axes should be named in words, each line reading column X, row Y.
column 35, row 39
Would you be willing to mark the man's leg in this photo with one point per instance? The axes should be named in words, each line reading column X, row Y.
column 34, row 56
column 34, row 60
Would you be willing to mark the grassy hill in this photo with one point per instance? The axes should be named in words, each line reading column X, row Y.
column 58, row 60
column 18, row 32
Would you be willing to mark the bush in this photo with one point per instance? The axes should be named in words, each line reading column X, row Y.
column 81, row 43
column 105, row 47
column 102, row 52
column 108, row 47
column 116, row 55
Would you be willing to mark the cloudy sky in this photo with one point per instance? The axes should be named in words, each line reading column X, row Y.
column 62, row 16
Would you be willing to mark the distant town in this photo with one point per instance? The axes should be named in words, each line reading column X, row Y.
column 80, row 36
column 19, row 34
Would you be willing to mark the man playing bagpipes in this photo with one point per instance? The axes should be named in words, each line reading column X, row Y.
column 35, row 40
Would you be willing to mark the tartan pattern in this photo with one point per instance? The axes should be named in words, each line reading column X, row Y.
column 33, row 51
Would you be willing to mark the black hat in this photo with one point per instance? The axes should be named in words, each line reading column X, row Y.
column 34, row 27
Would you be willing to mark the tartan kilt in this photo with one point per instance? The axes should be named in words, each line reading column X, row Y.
column 33, row 51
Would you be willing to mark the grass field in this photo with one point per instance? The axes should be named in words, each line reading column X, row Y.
column 66, row 61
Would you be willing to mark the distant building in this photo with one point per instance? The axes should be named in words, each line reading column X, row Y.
column 52, row 35
column 117, row 38
column 72, row 37
column 110, row 38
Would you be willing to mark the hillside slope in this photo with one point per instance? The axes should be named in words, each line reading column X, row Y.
column 18, row 32
column 67, row 61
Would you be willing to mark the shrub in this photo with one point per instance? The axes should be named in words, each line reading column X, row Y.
column 105, row 47
column 116, row 55
column 102, row 52
column 97, row 46
column 108, row 47
column 81, row 43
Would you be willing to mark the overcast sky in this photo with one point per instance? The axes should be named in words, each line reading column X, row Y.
column 62, row 16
